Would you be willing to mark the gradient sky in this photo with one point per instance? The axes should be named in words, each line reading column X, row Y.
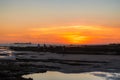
column 60, row 21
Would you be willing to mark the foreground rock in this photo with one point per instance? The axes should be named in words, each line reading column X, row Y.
column 14, row 71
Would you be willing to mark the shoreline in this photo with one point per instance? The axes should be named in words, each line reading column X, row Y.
column 30, row 61
column 111, row 49
column 14, row 70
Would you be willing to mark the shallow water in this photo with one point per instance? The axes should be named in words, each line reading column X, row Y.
column 78, row 76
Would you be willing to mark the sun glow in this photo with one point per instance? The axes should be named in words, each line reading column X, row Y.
column 75, row 39
column 65, row 35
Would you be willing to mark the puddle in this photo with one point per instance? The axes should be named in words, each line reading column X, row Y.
column 78, row 76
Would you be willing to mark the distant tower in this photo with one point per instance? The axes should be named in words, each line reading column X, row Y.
column 38, row 45
column 44, row 46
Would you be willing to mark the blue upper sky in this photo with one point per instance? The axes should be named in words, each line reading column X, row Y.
column 94, row 11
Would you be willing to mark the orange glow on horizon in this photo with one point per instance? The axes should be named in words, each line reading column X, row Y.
column 64, row 35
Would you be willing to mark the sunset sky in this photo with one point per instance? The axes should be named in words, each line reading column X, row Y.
column 60, row 21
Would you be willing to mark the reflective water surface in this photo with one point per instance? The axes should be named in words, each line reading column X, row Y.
column 78, row 76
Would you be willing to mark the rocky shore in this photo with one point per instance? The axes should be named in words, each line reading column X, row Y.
column 42, row 59
column 14, row 71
